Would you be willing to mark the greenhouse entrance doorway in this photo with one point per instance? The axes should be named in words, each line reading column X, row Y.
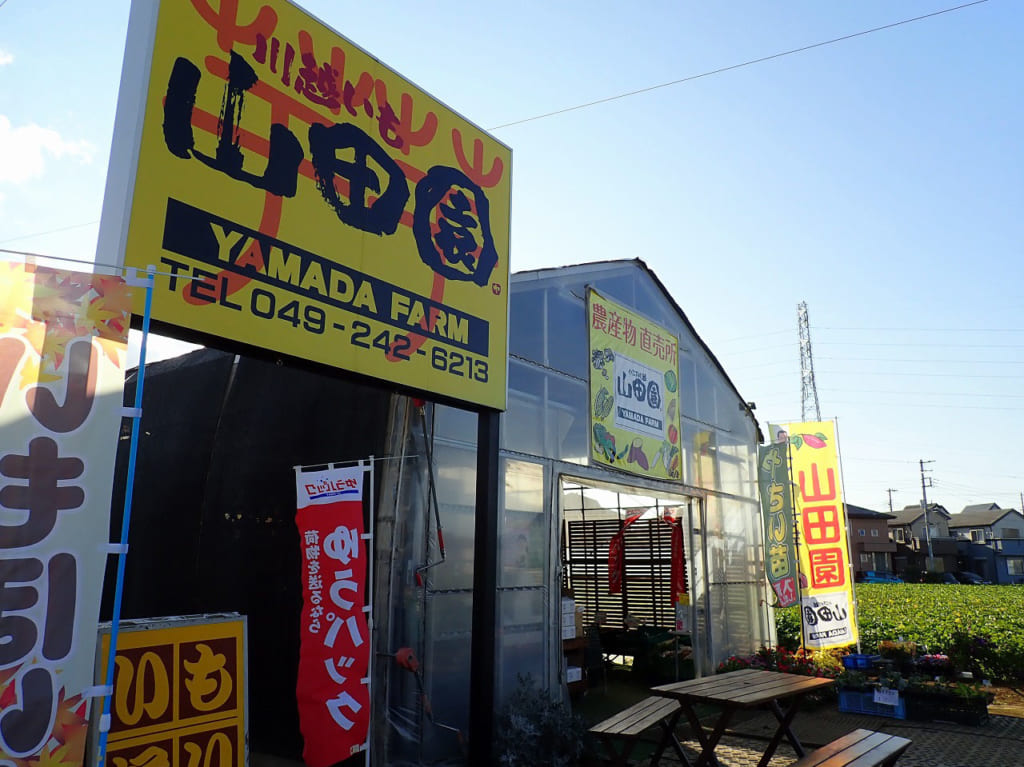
column 625, row 554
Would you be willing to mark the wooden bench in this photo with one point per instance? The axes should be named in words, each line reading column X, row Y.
column 628, row 725
column 860, row 748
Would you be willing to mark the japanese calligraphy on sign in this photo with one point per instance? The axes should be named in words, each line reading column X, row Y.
column 634, row 391
column 62, row 354
column 777, row 515
column 305, row 199
column 334, row 653
column 179, row 691
column 827, row 598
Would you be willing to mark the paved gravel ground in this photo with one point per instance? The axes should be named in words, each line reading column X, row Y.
column 999, row 743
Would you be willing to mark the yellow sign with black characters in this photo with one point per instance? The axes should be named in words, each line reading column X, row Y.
column 298, row 196
column 179, row 693
column 826, row 593
column 634, row 391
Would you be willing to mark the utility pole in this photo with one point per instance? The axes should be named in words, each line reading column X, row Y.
column 926, row 482
column 890, row 491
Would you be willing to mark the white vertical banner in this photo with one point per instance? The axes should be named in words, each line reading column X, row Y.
column 62, row 354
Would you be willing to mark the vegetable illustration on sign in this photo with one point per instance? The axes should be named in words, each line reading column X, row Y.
column 816, row 441
column 634, row 391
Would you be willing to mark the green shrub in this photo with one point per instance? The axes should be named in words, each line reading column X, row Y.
column 533, row 729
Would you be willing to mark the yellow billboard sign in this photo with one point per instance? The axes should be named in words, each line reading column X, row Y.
column 826, row 594
column 298, row 196
column 634, row 391
column 179, row 692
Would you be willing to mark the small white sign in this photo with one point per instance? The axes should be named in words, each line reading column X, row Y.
column 639, row 399
column 887, row 697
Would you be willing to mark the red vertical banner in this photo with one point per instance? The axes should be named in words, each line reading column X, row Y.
column 334, row 655
column 617, row 556
column 678, row 560
column 616, row 565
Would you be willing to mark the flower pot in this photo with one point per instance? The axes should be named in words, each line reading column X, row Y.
column 927, row 707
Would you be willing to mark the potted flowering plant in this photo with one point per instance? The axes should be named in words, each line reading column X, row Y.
column 899, row 652
column 934, row 665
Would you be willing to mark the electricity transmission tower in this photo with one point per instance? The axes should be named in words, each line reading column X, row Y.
column 808, row 389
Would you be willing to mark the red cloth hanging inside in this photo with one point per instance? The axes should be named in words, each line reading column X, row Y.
column 678, row 572
column 617, row 556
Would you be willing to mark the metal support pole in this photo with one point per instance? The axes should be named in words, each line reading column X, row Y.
column 485, row 592
column 126, row 518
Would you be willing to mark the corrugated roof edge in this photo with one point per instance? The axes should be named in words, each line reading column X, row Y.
column 862, row 512
column 538, row 273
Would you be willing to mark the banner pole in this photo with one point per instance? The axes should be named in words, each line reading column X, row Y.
column 849, row 533
column 796, row 546
column 133, row 450
column 371, row 547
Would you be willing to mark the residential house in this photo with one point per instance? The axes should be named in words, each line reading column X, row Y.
column 913, row 539
column 990, row 541
column 870, row 546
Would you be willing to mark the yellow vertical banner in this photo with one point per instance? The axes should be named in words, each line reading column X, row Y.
column 826, row 598
column 634, row 391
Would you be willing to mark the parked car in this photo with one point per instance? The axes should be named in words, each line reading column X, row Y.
column 949, row 578
column 972, row 579
column 879, row 576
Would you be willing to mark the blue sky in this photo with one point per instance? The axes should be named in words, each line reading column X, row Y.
column 878, row 179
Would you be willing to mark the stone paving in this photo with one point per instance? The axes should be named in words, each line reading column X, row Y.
column 999, row 743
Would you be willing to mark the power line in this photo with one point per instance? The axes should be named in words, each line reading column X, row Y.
column 857, row 373
column 48, row 231
column 901, row 405
column 930, row 330
column 773, row 363
column 764, row 348
column 97, row 264
column 758, row 335
column 930, row 360
column 848, row 374
column 751, row 62
column 905, row 345
column 876, row 460
column 923, row 393
column 818, row 328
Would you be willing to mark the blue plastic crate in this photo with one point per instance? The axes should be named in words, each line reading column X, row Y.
column 854, row 702
column 860, row 662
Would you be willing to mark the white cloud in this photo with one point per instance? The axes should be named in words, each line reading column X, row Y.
column 5, row 57
column 24, row 150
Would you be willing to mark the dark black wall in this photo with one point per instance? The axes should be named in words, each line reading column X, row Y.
column 213, row 510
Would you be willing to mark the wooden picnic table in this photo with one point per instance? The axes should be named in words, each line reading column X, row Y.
column 738, row 690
